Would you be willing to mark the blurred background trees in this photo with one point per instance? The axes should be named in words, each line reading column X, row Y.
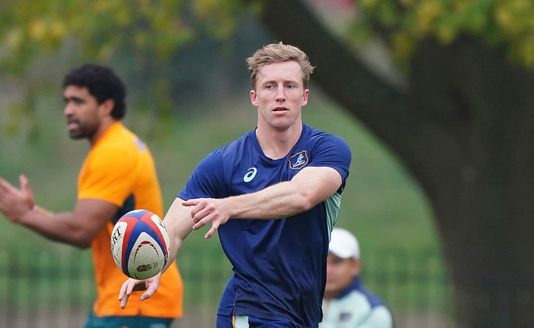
column 446, row 85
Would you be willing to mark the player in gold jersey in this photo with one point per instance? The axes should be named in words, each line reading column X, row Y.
column 118, row 175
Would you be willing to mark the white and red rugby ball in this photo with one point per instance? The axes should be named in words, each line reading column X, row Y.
column 140, row 244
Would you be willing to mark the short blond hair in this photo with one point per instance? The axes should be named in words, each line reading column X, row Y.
column 278, row 53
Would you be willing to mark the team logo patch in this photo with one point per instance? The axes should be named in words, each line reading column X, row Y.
column 299, row 160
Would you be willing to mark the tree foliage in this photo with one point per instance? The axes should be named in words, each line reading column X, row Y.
column 150, row 30
column 142, row 36
column 157, row 29
column 405, row 23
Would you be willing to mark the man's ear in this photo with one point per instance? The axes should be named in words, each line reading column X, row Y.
column 305, row 97
column 253, row 98
column 107, row 107
column 355, row 267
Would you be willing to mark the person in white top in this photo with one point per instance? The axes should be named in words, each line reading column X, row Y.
column 346, row 304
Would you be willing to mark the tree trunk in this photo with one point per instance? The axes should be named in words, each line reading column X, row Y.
column 483, row 199
column 465, row 129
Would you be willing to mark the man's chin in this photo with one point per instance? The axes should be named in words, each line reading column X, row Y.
column 76, row 135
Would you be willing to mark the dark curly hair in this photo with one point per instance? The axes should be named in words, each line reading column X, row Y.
column 102, row 83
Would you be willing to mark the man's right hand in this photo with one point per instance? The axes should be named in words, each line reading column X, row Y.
column 149, row 286
column 14, row 202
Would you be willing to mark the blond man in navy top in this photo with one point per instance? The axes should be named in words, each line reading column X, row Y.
column 273, row 196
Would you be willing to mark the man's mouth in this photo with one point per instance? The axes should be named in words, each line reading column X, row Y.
column 71, row 124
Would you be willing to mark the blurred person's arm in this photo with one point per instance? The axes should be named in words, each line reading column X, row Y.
column 78, row 227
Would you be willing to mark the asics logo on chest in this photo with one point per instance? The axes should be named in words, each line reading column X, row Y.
column 251, row 173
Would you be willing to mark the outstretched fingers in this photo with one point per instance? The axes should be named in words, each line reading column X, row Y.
column 203, row 219
column 149, row 286
column 5, row 186
column 126, row 290
column 25, row 188
column 214, row 226
column 204, row 211
column 25, row 184
column 200, row 212
column 149, row 292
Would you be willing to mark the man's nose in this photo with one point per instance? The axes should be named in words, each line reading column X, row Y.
column 280, row 93
column 68, row 110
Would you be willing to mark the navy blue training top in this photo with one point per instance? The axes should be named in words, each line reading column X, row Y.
column 279, row 265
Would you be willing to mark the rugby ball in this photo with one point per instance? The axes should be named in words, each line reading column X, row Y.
column 140, row 244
